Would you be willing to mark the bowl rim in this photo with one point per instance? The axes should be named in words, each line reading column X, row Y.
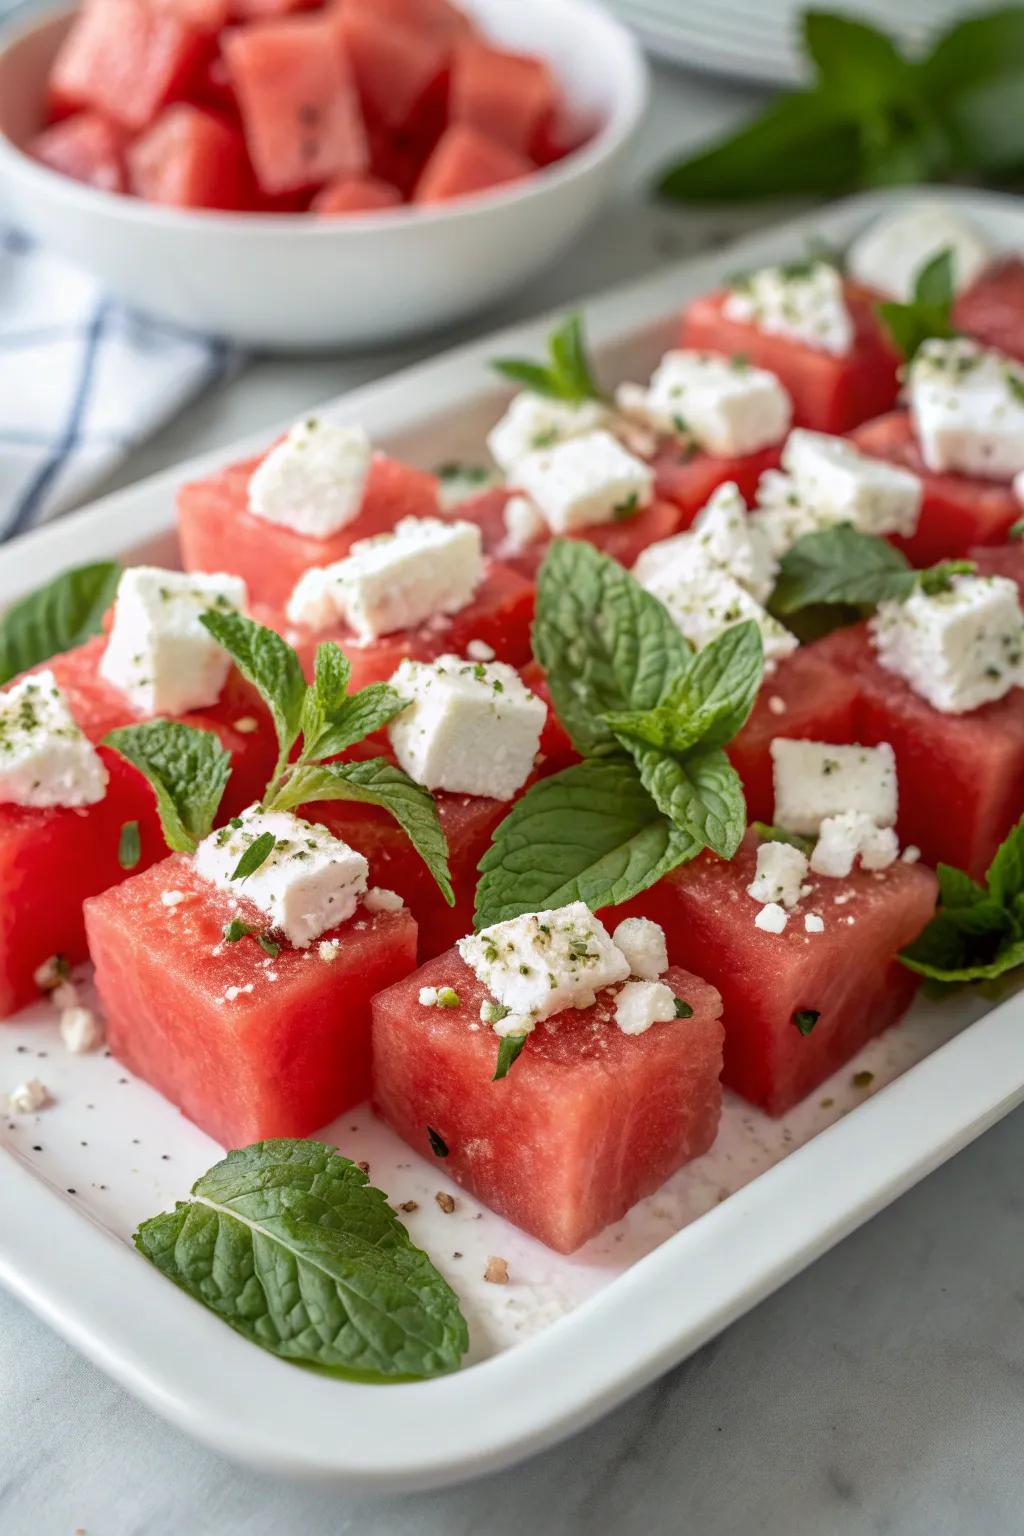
column 631, row 95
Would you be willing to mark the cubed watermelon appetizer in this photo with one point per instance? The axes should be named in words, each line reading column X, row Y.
column 356, row 194
column 688, row 477
column 395, row 67
column 466, row 162
column 124, row 59
column 190, row 158
column 510, row 97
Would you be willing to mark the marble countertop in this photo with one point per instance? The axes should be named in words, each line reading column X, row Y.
column 881, row 1391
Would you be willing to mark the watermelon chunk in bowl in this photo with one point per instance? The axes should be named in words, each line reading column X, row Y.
column 246, row 1045
column 588, row 1121
column 126, row 60
column 191, row 158
column 85, row 147
column 510, row 97
column 465, row 161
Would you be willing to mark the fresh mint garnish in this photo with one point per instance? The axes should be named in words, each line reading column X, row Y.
column 843, row 569
column 272, row 667
column 255, row 856
column 805, row 1019
column 333, row 720
column 129, row 845
column 567, row 374
column 188, row 770
column 929, row 312
column 683, row 1009
column 1016, row 531
column 268, row 946
column 54, row 618
column 770, row 834
column 509, row 1052
column 236, row 930
column 288, row 1243
column 977, row 934
column 438, row 1145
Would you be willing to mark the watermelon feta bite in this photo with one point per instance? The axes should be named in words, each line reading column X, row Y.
column 615, row 1088
column 302, row 504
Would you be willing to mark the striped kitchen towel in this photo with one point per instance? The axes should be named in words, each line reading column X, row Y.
column 83, row 382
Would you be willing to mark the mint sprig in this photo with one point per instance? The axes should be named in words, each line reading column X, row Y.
column 768, row 834
column 54, row 618
column 188, row 770
column 843, row 568
column 929, row 313
column 977, row 934
column 287, row 1242
column 567, row 375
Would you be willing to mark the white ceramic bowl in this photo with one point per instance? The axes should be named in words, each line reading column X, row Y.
column 290, row 281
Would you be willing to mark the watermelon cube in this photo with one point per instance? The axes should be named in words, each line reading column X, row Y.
column 219, row 533
column 467, row 161
column 690, row 478
column 356, row 194
column 588, row 1121
column 961, row 777
column 299, row 105
column 510, row 97
column 991, row 309
column 261, row 10
column 438, row 20
column 955, row 511
column 395, row 67
column 1001, row 560
column 848, row 974
column 190, row 158
column 85, row 147
column 125, row 59
column 829, row 393
column 624, row 541
column 556, row 748
column 246, row 1045
column 204, row 15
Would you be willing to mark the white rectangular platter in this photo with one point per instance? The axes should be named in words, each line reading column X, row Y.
column 567, row 1338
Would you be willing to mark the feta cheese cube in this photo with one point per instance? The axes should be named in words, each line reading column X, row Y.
column 524, row 523
column 804, row 302
column 958, row 649
column 309, row 882
column 725, row 532
column 722, row 404
column 584, row 481
column 643, row 944
column 471, row 728
column 159, row 655
column 379, row 899
column 814, row 779
column 891, row 252
column 643, row 1003
column 813, row 923
column 315, row 480
column 80, row 1030
column 843, row 485
column 967, row 404
column 781, row 872
column 423, row 569
column 542, row 962
column 535, row 421
column 45, row 758
column 28, row 1097
column 772, row 918
column 703, row 600
column 850, row 836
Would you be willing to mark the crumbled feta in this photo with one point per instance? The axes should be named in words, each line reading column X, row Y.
column 80, row 1030
column 842, row 485
column 542, row 962
column 813, row 923
column 781, row 872
column 967, row 404
column 423, row 569
column 958, row 649
column 159, row 655
column 51, row 973
column 471, row 728
column 534, row 421
column 643, row 944
column 524, row 523
column 315, row 480
column 172, row 898
column 725, row 532
column 428, row 997
column 310, row 881
column 45, row 758
column 379, row 899
column 702, row 599
column 772, row 918
column 329, row 950
column 479, row 650
column 585, row 481
column 782, row 515
column 721, row 404
column 513, row 1026
column 815, row 779
column 911, row 854
column 64, row 995
column 849, row 836
column 776, row 705
column 28, row 1097
column 804, row 302
column 891, row 252
column 643, row 1003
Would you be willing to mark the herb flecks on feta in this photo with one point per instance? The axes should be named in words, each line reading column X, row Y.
column 814, row 780
column 839, row 484
column 849, row 836
column 642, row 1003
column 543, row 962
column 959, row 648
column 720, row 404
column 159, row 655
column 725, row 532
column 425, row 569
column 314, row 481
column 643, row 944
column 45, row 758
column 533, row 422
column 804, row 302
column 780, row 875
column 889, row 255
column 584, row 482
column 308, row 883
column 967, row 404
column 471, row 727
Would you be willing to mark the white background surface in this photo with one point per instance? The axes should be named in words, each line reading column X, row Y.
column 882, row 1391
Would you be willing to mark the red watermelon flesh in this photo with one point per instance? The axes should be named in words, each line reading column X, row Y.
column 218, row 533
column 961, row 777
column 85, row 147
column 190, row 158
column 354, row 194
column 689, row 479
column 991, row 309
column 806, row 698
column 204, row 15
column 589, row 1120
column 281, row 1059
column 510, row 97
column 261, row 10
column 624, row 541
column 436, row 19
column 467, row 161
column 556, row 747
column 829, row 393
column 1001, row 560
column 125, row 59
column 395, row 67
column 955, row 510
column 848, row 974
column 299, row 106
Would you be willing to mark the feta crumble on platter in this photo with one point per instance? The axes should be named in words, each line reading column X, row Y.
column 967, row 404
column 315, row 480
column 781, row 872
column 723, row 405
column 543, row 962
column 803, row 302
column 814, row 780
column 643, row 944
column 642, row 1003
column 958, row 649
column 533, row 422
column 849, row 836
column 45, row 758
column 585, row 481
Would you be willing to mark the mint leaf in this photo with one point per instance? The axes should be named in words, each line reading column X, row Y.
column 328, row 692
column 978, row 932
column 840, row 566
column 508, row 1054
column 378, row 782
column 267, row 662
column 188, row 770
column 770, row 834
column 590, row 833
column 973, row 74
column 720, row 685
column 605, row 643
column 1005, row 878
column 566, row 376
column 56, row 617
column 700, row 793
column 367, row 711
column 930, row 311
column 287, row 1243
column 255, row 856
column 129, row 846
column 860, row 67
